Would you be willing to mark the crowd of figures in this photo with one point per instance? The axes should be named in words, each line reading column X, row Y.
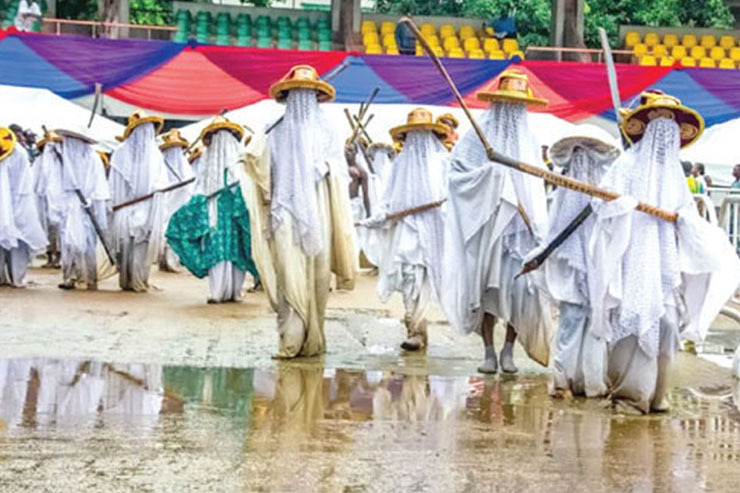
column 440, row 222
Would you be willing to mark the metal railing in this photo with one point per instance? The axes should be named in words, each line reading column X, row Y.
column 706, row 208
column 98, row 29
column 729, row 218
column 575, row 54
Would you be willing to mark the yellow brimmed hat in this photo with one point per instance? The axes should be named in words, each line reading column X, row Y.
column 302, row 77
column 221, row 123
column 448, row 116
column 419, row 119
column 196, row 153
column 105, row 158
column 561, row 151
column 49, row 136
column 8, row 140
column 657, row 104
column 139, row 117
column 75, row 134
column 173, row 139
column 513, row 86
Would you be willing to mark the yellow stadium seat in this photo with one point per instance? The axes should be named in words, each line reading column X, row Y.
column 369, row 27
column 456, row 53
column 467, row 31
column 698, row 52
column 510, row 45
column 651, row 39
column 639, row 49
column 446, row 30
column 389, row 40
column 735, row 53
column 392, row 50
column 689, row 40
column 432, row 39
column 708, row 41
column 489, row 30
column 660, row 51
column 717, row 53
column 419, row 50
column 631, row 39
column 374, row 49
column 648, row 60
column 497, row 55
column 518, row 53
column 370, row 39
column 450, row 43
column 727, row 42
column 688, row 62
column 490, row 44
column 678, row 52
column 387, row 27
column 428, row 28
column 707, row 63
column 478, row 53
column 471, row 44
column 670, row 40
column 667, row 61
column 726, row 63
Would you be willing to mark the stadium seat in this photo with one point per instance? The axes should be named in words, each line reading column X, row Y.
column 392, row 50
column 285, row 44
column 467, row 31
column 428, row 29
column 497, row 55
column 726, row 63
column 491, row 44
column 735, row 53
column 471, row 44
column 476, row 53
column 698, row 52
column 325, row 45
column 670, row 40
column 325, row 35
column 305, row 45
column 432, row 39
column 708, row 41
column 689, row 40
column 438, row 51
column 651, row 39
column 368, row 26
column 518, row 53
column 450, row 43
column 446, row 30
column 707, row 62
column 639, row 49
column 667, row 61
column 510, row 45
column 727, row 42
column 648, row 60
column 374, row 49
column 678, row 52
column 660, row 51
column 688, row 62
column 264, row 42
column 389, row 40
column 456, row 53
column 631, row 39
column 387, row 27
column 717, row 53
column 370, row 39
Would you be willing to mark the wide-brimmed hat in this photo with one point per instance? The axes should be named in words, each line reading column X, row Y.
column 561, row 151
column 657, row 104
column 376, row 147
column 105, row 158
column 513, row 86
column 302, row 77
column 173, row 138
column 196, row 153
column 419, row 119
column 448, row 116
column 49, row 136
column 8, row 140
column 139, row 117
column 75, row 134
column 221, row 123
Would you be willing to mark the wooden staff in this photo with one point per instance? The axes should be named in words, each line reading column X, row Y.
column 395, row 216
column 148, row 196
column 548, row 176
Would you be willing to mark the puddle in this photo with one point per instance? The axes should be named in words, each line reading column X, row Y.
column 301, row 427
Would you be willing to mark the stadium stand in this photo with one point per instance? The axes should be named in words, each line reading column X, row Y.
column 699, row 48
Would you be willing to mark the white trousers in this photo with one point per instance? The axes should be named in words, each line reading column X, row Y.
column 80, row 266
column 133, row 266
column 225, row 282
column 14, row 265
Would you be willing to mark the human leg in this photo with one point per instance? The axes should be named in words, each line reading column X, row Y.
column 490, row 364
column 506, row 358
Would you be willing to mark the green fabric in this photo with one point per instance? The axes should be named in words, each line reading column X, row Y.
column 199, row 246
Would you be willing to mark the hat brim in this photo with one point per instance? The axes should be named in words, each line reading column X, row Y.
column 7, row 147
column 560, row 152
column 195, row 156
column 399, row 133
column 510, row 97
column 42, row 143
column 174, row 143
column 279, row 90
column 158, row 122
column 454, row 121
column 63, row 133
column 235, row 129
column 690, row 123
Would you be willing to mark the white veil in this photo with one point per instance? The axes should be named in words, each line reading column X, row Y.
column 217, row 168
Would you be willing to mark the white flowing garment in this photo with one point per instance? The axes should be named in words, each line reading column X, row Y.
column 178, row 170
column 137, row 168
column 47, row 179
column 416, row 241
column 217, row 168
column 369, row 239
column 645, row 272
column 487, row 237
column 19, row 217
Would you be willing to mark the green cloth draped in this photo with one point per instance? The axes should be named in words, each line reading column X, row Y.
column 199, row 246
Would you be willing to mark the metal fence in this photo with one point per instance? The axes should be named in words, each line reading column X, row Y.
column 96, row 29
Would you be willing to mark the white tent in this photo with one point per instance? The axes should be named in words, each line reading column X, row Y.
column 32, row 108
column 716, row 149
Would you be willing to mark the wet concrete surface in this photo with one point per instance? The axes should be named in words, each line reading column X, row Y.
column 113, row 391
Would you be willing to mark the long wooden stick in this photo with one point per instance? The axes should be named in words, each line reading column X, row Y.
column 395, row 216
column 553, row 178
column 148, row 196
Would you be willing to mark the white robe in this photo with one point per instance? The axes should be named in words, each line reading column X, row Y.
column 178, row 170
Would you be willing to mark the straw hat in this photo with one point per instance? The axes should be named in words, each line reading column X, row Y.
column 172, row 138
column 419, row 119
column 8, row 140
column 513, row 86
column 376, row 147
column 656, row 104
column 221, row 123
column 562, row 151
column 139, row 117
column 450, row 117
column 76, row 134
column 49, row 136
column 302, row 77
column 196, row 153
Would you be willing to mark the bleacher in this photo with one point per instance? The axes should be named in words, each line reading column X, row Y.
column 446, row 39
column 694, row 48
